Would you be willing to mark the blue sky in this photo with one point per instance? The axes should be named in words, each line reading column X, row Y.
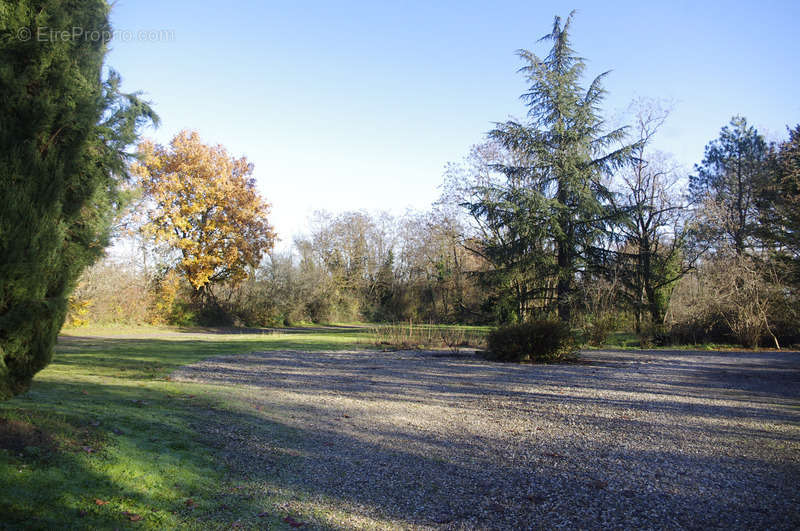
column 350, row 105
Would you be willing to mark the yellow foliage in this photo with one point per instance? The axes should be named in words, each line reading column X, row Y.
column 203, row 203
column 166, row 294
column 77, row 311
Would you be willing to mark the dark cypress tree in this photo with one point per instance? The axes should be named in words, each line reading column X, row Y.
column 63, row 138
column 553, row 204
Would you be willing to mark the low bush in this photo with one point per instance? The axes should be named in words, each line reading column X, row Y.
column 426, row 336
column 699, row 329
column 540, row 341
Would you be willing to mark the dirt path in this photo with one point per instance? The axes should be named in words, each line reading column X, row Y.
column 633, row 439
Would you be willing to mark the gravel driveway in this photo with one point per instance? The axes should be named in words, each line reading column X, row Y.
column 427, row 440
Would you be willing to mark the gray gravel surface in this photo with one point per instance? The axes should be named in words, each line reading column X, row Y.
column 437, row 440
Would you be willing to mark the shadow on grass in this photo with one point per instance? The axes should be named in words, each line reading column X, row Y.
column 147, row 358
column 120, row 456
column 156, row 446
column 125, row 436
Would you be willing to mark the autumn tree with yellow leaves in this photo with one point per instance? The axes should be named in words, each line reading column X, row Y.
column 203, row 203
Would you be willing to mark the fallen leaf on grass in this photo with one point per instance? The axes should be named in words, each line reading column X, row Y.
column 132, row 516
column 88, row 449
column 189, row 502
column 84, row 392
column 292, row 522
column 98, row 501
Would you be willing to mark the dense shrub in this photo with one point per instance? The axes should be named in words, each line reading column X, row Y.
column 111, row 292
column 116, row 292
column 703, row 328
column 734, row 299
column 535, row 341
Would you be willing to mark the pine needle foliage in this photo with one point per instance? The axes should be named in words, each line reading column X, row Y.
column 552, row 205
column 727, row 184
column 64, row 131
column 780, row 210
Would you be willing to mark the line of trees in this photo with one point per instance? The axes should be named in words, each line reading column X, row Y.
column 352, row 266
column 664, row 263
column 593, row 226
column 554, row 216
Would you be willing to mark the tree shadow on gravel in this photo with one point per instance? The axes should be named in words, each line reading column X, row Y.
column 588, row 446
column 752, row 392
column 567, row 453
column 542, row 485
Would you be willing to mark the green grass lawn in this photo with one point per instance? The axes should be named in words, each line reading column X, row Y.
column 103, row 439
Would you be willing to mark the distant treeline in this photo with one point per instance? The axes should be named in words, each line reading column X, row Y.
column 555, row 216
column 714, row 279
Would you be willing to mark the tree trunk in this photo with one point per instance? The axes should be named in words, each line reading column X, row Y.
column 564, row 287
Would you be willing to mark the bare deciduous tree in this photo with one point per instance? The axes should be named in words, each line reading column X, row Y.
column 651, row 257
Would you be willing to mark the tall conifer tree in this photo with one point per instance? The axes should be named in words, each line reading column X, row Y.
column 553, row 202
column 63, row 138
column 727, row 184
